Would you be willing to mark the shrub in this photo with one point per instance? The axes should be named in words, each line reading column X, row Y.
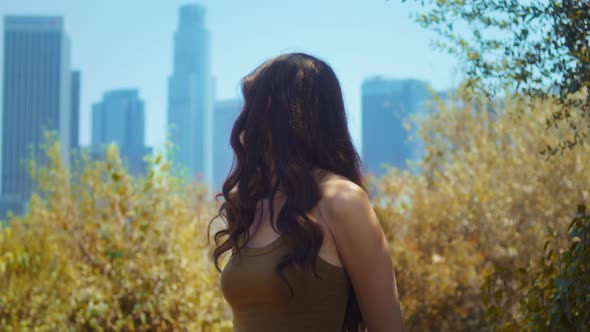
column 556, row 290
column 108, row 252
column 484, row 200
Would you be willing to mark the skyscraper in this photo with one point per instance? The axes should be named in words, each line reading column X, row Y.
column 75, row 105
column 119, row 118
column 387, row 107
column 36, row 98
column 224, row 116
column 190, row 94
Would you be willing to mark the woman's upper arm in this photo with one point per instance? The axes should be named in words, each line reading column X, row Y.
column 364, row 252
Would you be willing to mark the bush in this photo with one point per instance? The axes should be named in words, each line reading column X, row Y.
column 484, row 200
column 557, row 289
column 107, row 252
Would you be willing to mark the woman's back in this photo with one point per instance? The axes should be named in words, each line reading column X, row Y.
column 293, row 123
column 262, row 301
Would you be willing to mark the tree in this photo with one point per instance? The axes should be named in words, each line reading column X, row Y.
column 534, row 48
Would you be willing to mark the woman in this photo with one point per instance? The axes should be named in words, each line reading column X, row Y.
column 307, row 250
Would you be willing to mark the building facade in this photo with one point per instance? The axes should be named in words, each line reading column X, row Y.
column 37, row 97
column 389, row 134
column 190, row 95
column 75, row 113
column 224, row 116
column 120, row 119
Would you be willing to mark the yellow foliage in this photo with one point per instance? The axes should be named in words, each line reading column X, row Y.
column 107, row 252
column 484, row 201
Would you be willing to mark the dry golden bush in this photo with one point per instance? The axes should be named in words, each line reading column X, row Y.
column 108, row 252
column 481, row 208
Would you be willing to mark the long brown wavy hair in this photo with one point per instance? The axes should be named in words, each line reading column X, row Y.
column 293, row 121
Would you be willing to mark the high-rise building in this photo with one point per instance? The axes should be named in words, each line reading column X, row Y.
column 75, row 105
column 389, row 136
column 119, row 118
column 224, row 116
column 36, row 98
column 190, row 94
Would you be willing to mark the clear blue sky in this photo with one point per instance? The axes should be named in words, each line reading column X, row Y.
column 128, row 43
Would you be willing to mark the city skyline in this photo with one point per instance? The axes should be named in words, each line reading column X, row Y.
column 389, row 110
column 143, row 56
column 120, row 118
column 190, row 94
column 37, row 96
column 225, row 113
column 76, row 80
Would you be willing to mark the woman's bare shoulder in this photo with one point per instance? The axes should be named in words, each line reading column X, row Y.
column 340, row 195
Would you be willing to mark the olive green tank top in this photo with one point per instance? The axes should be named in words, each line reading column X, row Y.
column 261, row 301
